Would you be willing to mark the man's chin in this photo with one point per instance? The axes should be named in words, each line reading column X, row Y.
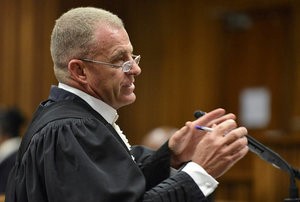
column 128, row 101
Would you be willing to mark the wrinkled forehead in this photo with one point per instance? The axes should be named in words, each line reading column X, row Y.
column 113, row 40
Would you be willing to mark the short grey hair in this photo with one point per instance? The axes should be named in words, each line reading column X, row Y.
column 73, row 36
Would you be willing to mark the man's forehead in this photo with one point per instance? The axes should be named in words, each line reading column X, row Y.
column 113, row 41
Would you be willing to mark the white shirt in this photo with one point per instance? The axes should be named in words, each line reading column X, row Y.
column 206, row 183
column 8, row 147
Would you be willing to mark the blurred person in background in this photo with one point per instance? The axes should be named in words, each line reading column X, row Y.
column 11, row 121
column 156, row 137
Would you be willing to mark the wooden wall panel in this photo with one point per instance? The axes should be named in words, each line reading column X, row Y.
column 253, row 59
column 25, row 53
column 180, row 47
column 178, row 65
column 43, row 73
column 9, row 58
column 295, row 124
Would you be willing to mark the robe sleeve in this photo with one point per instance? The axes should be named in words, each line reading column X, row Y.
column 160, row 187
column 155, row 165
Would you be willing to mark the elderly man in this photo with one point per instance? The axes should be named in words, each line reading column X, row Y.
column 74, row 150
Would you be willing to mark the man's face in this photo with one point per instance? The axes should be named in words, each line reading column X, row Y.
column 109, row 84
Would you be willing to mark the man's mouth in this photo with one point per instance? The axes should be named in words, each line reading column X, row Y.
column 129, row 87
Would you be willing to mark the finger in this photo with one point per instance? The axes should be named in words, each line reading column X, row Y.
column 179, row 134
column 223, row 128
column 198, row 114
column 215, row 114
column 221, row 119
column 234, row 135
column 237, row 149
column 197, row 134
column 183, row 137
column 239, row 154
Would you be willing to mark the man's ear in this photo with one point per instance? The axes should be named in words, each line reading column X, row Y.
column 77, row 70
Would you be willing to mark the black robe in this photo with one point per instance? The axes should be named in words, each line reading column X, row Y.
column 75, row 155
column 5, row 168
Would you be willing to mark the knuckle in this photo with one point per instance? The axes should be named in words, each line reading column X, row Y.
column 188, row 123
column 229, row 159
column 232, row 123
column 245, row 131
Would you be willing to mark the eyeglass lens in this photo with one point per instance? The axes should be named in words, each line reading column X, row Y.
column 126, row 67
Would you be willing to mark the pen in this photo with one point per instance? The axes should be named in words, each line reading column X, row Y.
column 204, row 128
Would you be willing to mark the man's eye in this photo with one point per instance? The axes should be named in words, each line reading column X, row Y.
column 117, row 61
column 121, row 59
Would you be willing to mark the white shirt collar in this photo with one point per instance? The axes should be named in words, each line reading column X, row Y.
column 108, row 113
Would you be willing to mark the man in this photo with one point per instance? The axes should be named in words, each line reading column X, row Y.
column 74, row 150
column 11, row 121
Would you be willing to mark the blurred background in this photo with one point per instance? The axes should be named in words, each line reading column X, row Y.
column 241, row 55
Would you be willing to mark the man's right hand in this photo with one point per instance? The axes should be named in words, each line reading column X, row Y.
column 220, row 149
column 215, row 151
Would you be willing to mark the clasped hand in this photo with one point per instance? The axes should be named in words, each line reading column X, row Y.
column 215, row 151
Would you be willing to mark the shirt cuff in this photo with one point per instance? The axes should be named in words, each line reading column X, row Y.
column 206, row 183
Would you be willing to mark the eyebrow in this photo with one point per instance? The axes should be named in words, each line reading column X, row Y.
column 118, row 54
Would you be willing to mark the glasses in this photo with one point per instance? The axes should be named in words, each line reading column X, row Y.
column 126, row 66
